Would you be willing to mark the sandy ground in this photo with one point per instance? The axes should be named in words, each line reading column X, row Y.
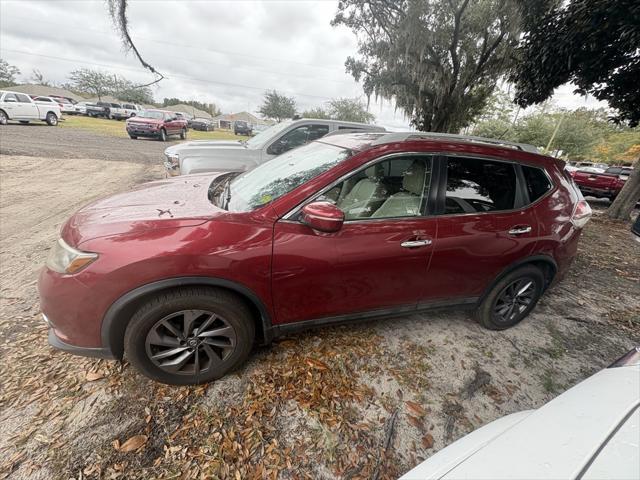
column 316, row 405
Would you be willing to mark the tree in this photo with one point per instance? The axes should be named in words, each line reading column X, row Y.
column 345, row 109
column 211, row 108
column 37, row 77
column 349, row 110
column 128, row 91
column 277, row 106
column 8, row 73
column 593, row 44
column 317, row 112
column 440, row 60
column 93, row 82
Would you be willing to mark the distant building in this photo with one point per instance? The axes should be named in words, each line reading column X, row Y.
column 45, row 91
column 193, row 111
column 227, row 120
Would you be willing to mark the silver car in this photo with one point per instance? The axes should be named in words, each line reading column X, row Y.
column 238, row 156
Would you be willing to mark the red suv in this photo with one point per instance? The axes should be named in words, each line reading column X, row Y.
column 183, row 275
column 157, row 124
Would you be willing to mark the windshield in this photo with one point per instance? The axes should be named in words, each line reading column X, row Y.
column 279, row 176
column 263, row 137
column 151, row 114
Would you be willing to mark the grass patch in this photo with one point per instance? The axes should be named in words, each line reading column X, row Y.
column 116, row 128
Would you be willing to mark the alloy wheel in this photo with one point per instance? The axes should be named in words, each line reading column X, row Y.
column 514, row 300
column 3, row 118
column 190, row 342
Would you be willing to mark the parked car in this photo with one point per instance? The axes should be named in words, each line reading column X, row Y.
column 66, row 105
column 47, row 101
column 202, row 124
column 96, row 109
column 114, row 111
column 131, row 109
column 81, row 108
column 602, row 185
column 241, row 127
column 184, row 116
column 157, row 124
column 21, row 107
column 229, row 155
column 589, row 432
column 183, row 275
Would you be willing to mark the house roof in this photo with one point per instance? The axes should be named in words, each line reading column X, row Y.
column 181, row 107
column 45, row 91
column 244, row 116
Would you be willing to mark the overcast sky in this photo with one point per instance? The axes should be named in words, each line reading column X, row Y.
column 223, row 52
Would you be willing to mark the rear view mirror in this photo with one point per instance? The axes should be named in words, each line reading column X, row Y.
column 322, row 216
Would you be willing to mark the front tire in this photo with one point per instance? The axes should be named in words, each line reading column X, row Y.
column 183, row 134
column 511, row 299
column 4, row 119
column 190, row 336
column 133, row 137
column 52, row 119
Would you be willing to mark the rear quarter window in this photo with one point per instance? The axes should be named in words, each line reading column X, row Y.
column 537, row 182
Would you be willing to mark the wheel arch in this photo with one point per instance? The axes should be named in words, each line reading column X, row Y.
column 120, row 312
column 545, row 263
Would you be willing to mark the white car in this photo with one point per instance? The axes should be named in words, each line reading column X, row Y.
column 81, row 108
column 21, row 107
column 591, row 431
column 66, row 105
column 238, row 156
column 131, row 109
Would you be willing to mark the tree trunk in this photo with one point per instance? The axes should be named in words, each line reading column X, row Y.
column 626, row 200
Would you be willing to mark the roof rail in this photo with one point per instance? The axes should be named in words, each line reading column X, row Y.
column 402, row 136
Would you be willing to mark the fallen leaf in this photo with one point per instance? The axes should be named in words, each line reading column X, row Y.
column 93, row 376
column 416, row 408
column 415, row 422
column 312, row 362
column 427, row 441
column 134, row 443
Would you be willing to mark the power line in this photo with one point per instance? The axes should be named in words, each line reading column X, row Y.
column 206, row 81
column 181, row 45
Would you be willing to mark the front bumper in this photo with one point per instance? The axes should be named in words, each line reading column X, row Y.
column 139, row 132
column 96, row 352
column 171, row 169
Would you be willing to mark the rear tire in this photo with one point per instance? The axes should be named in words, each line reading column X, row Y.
column 4, row 119
column 159, row 327
column 52, row 119
column 511, row 299
column 133, row 137
column 163, row 135
column 183, row 134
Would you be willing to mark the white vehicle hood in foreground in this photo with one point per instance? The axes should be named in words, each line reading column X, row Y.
column 213, row 155
column 557, row 441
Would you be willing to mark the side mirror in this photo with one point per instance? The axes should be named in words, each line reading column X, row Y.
column 322, row 216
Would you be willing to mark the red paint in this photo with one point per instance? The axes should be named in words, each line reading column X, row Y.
column 169, row 229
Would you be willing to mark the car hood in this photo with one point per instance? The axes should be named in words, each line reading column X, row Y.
column 152, row 121
column 198, row 145
column 170, row 203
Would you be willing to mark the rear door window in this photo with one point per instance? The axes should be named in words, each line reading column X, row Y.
column 537, row 182
column 297, row 137
column 23, row 98
column 477, row 185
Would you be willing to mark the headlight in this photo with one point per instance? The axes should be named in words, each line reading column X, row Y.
column 65, row 259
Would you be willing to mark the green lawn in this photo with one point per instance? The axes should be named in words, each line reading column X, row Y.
column 116, row 128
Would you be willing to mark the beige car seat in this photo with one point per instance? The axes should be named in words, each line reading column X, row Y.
column 406, row 203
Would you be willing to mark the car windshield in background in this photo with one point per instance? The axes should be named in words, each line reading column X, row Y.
column 273, row 179
column 151, row 114
column 263, row 137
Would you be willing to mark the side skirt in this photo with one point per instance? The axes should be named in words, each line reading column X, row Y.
column 294, row 327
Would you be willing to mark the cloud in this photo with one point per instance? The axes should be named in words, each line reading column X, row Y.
column 223, row 52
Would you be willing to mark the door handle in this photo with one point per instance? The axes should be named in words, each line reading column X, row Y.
column 520, row 230
column 415, row 243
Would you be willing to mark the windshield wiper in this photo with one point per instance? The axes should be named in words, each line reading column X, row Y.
column 226, row 193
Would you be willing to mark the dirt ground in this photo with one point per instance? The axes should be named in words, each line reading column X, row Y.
column 317, row 405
